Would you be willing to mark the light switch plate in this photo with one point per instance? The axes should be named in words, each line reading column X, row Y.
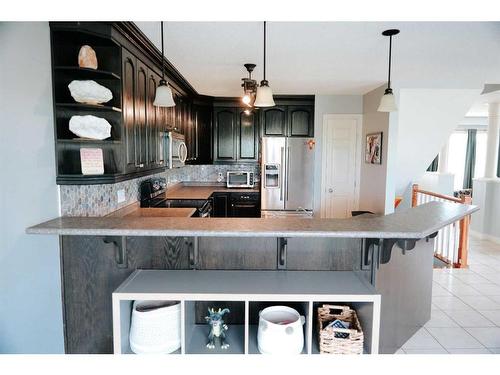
column 120, row 195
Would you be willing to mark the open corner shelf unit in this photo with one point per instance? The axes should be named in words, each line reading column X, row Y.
column 245, row 293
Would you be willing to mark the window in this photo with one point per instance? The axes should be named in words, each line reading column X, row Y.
column 456, row 156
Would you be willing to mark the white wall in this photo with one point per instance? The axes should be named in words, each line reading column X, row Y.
column 329, row 104
column 426, row 118
column 375, row 192
column 485, row 223
column 30, row 290
column 436, row 182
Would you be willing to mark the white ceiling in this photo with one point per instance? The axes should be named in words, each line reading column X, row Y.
column 331, row 57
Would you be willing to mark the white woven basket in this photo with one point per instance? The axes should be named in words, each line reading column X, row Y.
column 329, row 342
column 157, row 330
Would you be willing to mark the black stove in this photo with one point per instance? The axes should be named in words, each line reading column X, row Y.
column 152, row 194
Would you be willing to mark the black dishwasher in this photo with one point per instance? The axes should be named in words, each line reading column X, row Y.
column 244, row 204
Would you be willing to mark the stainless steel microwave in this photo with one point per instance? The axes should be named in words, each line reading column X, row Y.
column 240, row 179
column 175, row 149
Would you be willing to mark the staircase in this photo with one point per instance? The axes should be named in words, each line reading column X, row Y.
column 451, row 244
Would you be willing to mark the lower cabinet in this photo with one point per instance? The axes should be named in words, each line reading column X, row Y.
column 220, row 204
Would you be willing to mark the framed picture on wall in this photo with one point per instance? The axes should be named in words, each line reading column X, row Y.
column 373, row 148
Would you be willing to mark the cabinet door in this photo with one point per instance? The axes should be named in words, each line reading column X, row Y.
column 220, row 202
column 152, row 120
column 190, row 133
column 128, row 108
column 274, row 121
column 247, row 136
column 141, row 110
column 225, row 134
column 300, row 121
column 203, row 119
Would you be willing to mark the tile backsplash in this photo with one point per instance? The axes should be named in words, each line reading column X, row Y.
column 100, row 200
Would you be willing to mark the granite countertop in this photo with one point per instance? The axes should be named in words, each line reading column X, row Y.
column 134, row 210
column 417, row 222
column 203, row 191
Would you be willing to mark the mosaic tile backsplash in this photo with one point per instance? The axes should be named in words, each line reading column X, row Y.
column 100, row 200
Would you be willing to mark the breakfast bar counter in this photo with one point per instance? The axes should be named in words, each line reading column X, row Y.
column 413, row 223
column 391, row 255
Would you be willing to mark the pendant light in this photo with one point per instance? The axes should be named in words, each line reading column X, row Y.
column 163, row 97
column 264, row 96
column 388, row 101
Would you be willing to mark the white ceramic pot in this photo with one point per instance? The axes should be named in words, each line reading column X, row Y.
column 280, row 331
column 155, row 330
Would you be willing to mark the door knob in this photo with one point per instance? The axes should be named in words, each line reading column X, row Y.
column 330, row 190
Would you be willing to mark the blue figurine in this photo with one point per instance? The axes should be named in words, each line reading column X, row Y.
column 217, row 328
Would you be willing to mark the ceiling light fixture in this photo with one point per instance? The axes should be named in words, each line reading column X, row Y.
column 163, row 97
column 388, row 101
column 264, row 96
column 249, row 86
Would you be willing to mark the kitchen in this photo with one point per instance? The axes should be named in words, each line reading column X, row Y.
column 193, row 130
column 254, row 213
column 209, row 201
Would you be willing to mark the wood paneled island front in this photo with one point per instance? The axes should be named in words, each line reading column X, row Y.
column 391, row 254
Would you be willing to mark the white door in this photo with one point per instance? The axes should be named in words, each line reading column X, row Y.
column 340, row 165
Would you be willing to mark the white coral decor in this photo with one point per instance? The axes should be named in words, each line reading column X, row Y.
column 90, row 127
column 89, row 92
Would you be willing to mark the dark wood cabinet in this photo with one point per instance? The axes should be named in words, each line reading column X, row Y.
column 217, row 130
column 220, row 203
column 142, row 121
column 140, row 116
column 202, row 125
column 274, row 121
column 288, row 120
column 300, row 121
column 129, row 99
column 236, row 135
column 225, row 135
column 248, row 136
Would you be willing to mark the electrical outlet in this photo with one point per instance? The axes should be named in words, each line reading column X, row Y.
column 120, row 195
column 220, row 178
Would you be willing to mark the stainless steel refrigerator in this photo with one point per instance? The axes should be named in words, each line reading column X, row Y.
column 287, row 176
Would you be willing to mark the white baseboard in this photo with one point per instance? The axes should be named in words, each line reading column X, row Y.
column 483, row 236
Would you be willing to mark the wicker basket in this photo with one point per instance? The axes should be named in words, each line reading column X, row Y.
column 328, row 343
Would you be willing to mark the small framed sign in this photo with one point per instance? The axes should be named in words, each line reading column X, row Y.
column 92, row 161
column 373, row 148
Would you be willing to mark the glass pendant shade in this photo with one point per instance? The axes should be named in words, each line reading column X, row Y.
column 164, row 97
column 264, row 96
column 388, row 102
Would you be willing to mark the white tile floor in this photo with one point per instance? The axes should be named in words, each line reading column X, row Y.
column 465, row 316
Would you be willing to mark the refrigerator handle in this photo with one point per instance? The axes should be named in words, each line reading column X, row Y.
column 288, row 166
column 282, row 187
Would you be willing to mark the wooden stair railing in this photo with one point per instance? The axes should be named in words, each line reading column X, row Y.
column 452, row 242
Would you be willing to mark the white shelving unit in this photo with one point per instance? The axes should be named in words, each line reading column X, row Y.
column 304, row 290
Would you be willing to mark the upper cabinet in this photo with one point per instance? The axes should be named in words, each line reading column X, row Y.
column 288, row 120
column 248, row 136
column 274, row 121
column 300, row 121
column 217, row 130
column 236, row 135
column 225, row 135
